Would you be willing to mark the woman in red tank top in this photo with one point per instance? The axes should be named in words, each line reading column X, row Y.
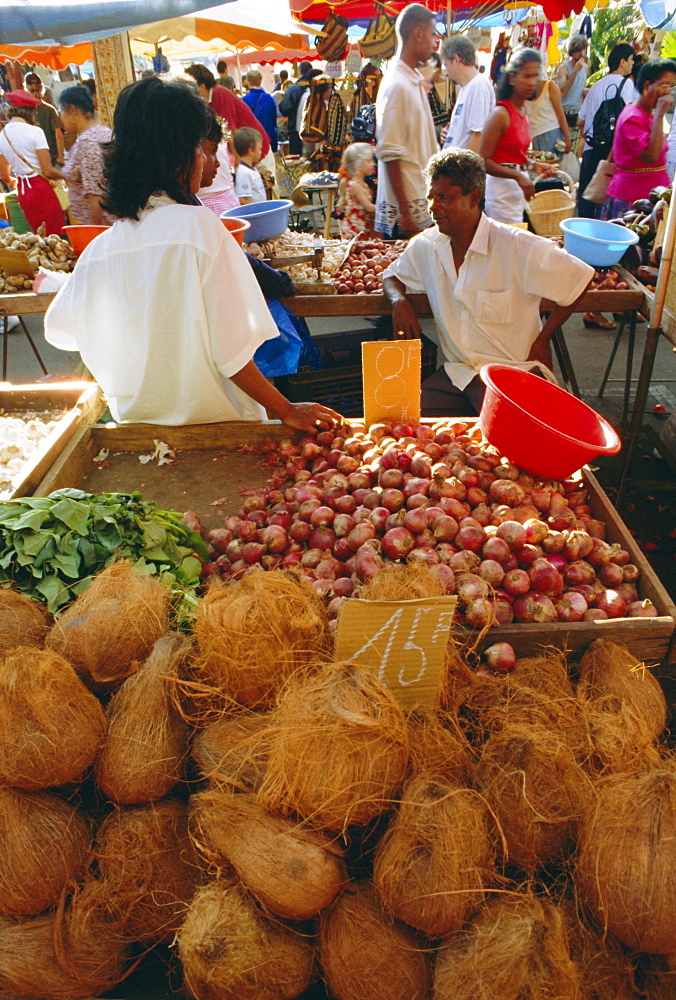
column 506, row 139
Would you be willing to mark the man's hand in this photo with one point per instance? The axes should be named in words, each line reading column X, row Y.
column 404, row 321
column 542, row 351
column 310, row 416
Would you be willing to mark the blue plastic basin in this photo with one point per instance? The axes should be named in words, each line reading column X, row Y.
column 268, row 219
column 600, row 244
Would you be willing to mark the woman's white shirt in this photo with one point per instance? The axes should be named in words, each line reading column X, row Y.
column 25, row 140
column 163, row 312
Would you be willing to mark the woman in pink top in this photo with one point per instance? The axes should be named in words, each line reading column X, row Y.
column 84, row 166
column 640, row 147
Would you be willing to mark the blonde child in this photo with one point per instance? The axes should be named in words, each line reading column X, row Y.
column 354, row 195
column 249, row 186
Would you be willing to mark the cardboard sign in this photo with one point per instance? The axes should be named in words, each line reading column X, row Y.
column 404, row 642
column 16, row 262
column 391, row 372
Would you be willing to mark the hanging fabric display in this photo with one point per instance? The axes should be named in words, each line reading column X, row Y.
column 332, row 46
column 380, row 40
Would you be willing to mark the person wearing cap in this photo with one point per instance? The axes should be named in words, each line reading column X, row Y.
column 47, row 118
column 24, row 152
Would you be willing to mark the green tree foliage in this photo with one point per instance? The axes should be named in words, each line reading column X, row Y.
column 610, row 27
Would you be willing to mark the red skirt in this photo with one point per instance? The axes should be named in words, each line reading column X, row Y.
column 40, row 204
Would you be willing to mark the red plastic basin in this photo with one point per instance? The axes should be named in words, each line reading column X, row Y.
column 236, row 227
column 81, row 236
column 540, row 427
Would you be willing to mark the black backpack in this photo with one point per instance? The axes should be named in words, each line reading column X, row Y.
column 601, row 137
column 363, row 127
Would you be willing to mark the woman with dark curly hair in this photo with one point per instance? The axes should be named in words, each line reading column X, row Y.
column 163, row 306
column 84, row 166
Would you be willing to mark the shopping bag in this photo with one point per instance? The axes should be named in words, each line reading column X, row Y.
column 380, row 40
column 332, row 46
column 595, row 191
column 292, row 349
column 571, row 165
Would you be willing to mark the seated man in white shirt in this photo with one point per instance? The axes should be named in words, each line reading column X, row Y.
column 476, row 98
column 484, row 281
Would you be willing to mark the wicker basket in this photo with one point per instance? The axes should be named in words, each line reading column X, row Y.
column 547, row 209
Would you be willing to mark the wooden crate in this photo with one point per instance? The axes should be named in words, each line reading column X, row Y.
column 84, row 404
column 650, row 639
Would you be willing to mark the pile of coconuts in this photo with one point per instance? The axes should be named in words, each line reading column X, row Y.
column 276, row 819
column 514, row 548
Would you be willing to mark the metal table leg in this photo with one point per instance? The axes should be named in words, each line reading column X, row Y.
column 645, row 375
column 563, row 357
column 611, row 359
column 630, row 363
column 5, row 344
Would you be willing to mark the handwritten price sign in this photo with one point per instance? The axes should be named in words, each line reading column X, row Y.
column 391, row 373
column 404, row 642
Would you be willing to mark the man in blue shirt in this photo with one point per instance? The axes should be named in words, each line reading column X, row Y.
column 262, row 105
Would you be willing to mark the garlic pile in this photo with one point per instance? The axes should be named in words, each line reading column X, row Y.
column 19, row 438
column 297, row 245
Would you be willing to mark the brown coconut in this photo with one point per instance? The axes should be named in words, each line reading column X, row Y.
column 94, row 959
column 523, row 706
column 292, row 871
column 230, row 951
column 51, row 726
column 44, row 843
column 22, row 622
column 338, row 749
column 112, row 627
column 620, row 740
column 537, row 790
column 365, row 956
column 404, row 583
column 233, row 751
column 626, row 870
column 606, row 972
column 516, row 948
column 439, row 748
column 147, row 742
column 149, row 866
column 253, row 634
column 547, row 674
column 436, row 859
column 608, row 670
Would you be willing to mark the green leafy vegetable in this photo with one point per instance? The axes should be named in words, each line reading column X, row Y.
column 50, row 547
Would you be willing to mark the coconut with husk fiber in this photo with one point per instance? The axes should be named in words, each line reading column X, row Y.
column 51, row 726
column 516, row 948
column 230, row 951
column 626, row 870
column 22, row 622
column 292, row 871
column 233, row 751
column 338, row 749
column 608, row 670
column 147, row 742
column 606, row 972
column 404, row 583
column 63, row 956
column 436, row 860
column 366, row 956
column 149, row 866
column 537, row 790
column 439, row 748
column 252, row 635
column 620, row 740
column 547, row 674
column 44, row 843
column 112, row 627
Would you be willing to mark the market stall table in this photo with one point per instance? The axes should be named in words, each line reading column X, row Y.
column 22, row 304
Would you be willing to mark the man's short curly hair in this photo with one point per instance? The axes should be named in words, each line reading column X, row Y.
column 462, row 167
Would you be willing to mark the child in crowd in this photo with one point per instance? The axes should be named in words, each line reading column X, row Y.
column 249, row 186
column 354, row 195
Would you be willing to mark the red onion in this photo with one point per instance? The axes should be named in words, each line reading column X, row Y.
column 594, row 615
column 252, row 552
column 343, row 587
column 323, row 538
column 453, row 507
column 371, row 500
column 464, row 562
column 259, row 518
column 630, row 573
column 505, row 470
column 360, row 534
column 415, row 485
column 534, row 607
column 471, row 538
column 425, row 539
column 502, row 595
column 447, row 575
column 543, row 577
column 601, row 552
column 247, row 531
column 611, row 602
column 343, row 524
column 445, row 529
column 391, row 479
column 642, row 609
column 571, row 607
column 482, row 514
column 307, row 508
column 322, row 517
column 540, row 497
column 627, row 592
column 359, row 496
column 415, row 520
column 392, row 499
column 367, row 563
column 495, row 548
column 311, row 558
column 360, row 480
column 342, row 550
column 282, row 518
column 402, row 430
column 524, row 512
column 536, row 530
column 503, row 611
column 445, row 551
column 274, row 538
column 421, row 466
column 610, row 574
column 480, row 462
column 501, row 657
column 395, row 520
column 220, row 538
column 300, row 531
column 417, row 500
column 587, row 591
column 254, row 502
column 554, row 541
column 578, row 544
column 470, row 587
column 510, row 564
column 516, row 582
column 379, row 517
column 501, row 513
column 423, row 557
column 468, row 477
column 492, row 572
column 505, row 491
column 397, row 543
column 557, row 561
column 513, row 533
column 347, row 464
column 345, row 504
column 479, row 613
column 308, row 492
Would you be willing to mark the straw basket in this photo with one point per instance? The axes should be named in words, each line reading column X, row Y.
column 547, row 209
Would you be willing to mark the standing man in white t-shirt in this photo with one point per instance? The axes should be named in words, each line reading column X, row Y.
column 476, row 99
column 405, row 133
column 570, row 80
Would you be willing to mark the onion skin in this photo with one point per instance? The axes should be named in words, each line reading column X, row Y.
column 611, row 602
column 534, row 607
column 500, row 657
column 642, row 609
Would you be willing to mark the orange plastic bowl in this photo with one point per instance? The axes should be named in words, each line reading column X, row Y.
column 540, row 427
column 81, row 236
column 237, row 227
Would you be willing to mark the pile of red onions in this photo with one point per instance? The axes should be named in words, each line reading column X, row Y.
column 512, row 547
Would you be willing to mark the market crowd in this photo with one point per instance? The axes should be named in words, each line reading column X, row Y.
column 455, row 182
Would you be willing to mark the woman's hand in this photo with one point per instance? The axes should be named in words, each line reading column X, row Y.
column 663, row 104
column 526, row 185
column 310, row 417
